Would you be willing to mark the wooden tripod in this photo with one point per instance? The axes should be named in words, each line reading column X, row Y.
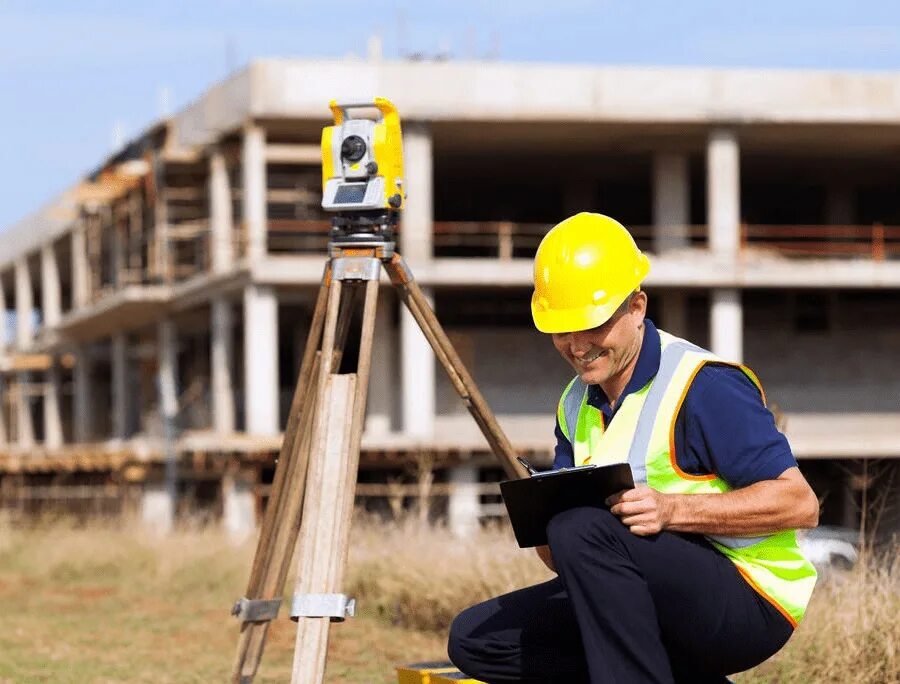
column 315, row 477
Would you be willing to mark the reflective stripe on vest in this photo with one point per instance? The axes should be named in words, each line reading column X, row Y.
column 643, row 433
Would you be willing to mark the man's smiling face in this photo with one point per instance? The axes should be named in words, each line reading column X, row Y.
column 604, row 352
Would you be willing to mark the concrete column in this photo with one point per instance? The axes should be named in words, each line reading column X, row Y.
column 723, row 192
column 382, row 380
column 261, row 360
column 671, row 201
column 418, row 217
column 221, row 365
column 839, row 206
column 24, row 305
column 238, row 506
column 51, row 295
column 80, row 271
column 83, row 399
column 53, row 434
column 464, row 504
column 253, row 170
column 24, row 424
column 158, row 504
column 727, row 322
column 121, row 391
column 220, row 217
column 417, row 377
column 723, row 200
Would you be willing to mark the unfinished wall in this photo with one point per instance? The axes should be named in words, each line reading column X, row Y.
column 824, row 350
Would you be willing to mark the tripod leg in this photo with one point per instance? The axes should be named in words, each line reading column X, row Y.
column 286, row 454
column 465, row 386
column 328, row 508
column 282, row 517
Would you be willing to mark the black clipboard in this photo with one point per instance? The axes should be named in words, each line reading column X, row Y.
column 532, row 501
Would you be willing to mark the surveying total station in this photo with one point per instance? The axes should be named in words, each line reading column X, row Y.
column 315, row 477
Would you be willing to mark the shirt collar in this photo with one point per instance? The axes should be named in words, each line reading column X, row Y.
column 645, row 370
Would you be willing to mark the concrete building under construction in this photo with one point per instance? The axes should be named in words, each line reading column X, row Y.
column 157, row 310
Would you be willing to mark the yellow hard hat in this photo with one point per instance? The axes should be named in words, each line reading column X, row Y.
column 584, row 269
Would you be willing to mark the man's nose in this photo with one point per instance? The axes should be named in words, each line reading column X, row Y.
column 579, row 344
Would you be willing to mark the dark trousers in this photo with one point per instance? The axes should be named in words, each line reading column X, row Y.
column 624, row 609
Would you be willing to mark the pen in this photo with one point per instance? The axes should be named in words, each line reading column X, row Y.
column 530, row 468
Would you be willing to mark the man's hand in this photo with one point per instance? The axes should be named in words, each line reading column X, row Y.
column 643, row 510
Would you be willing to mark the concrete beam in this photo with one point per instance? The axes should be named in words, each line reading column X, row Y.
column 503, row 91
column 24, row 305
column 416, row 235
column 222, row 365
column 723, row 191
column 220, row 215
column 253, row 174
column 261, row 360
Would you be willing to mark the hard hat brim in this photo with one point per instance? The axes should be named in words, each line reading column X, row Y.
column 573, row 320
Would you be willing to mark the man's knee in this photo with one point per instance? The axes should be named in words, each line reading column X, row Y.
column 573, row 530
column 462, row 646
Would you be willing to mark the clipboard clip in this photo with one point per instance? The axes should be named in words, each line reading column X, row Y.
column 525, row 464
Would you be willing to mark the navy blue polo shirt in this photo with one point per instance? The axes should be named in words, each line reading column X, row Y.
column 723, row 426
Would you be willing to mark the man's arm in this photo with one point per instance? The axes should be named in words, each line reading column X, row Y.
column 763, row 507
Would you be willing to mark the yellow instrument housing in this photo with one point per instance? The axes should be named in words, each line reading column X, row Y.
column 383, row 145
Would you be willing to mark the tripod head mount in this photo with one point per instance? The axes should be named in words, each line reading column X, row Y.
column 363, row 229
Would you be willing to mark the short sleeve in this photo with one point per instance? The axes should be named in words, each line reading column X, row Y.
column 724, row 428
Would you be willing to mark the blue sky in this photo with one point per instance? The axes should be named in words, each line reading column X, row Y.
column 72, row 72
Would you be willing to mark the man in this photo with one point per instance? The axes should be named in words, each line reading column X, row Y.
column 693, row 574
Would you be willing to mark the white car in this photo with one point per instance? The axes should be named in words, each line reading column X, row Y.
column 830, row 547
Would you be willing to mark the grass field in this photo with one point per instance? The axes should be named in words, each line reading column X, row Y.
column 107, row 604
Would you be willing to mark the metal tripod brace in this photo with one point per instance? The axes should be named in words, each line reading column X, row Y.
column 315, row 478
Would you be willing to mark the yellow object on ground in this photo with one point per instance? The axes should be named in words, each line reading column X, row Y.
column 424, row 673
column 584, row 269
column 454, row 678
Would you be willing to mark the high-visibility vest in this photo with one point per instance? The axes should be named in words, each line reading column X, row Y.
column 643, row 434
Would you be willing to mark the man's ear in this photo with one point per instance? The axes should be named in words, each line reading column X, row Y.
column 638, row 303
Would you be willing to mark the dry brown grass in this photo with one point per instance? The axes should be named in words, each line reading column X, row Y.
column 107, row 604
